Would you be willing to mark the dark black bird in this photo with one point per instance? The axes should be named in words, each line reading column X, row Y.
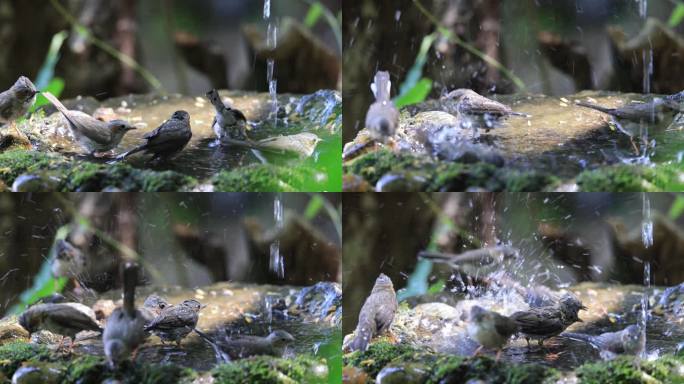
column 167, row 140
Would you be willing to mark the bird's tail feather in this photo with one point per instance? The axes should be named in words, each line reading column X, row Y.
column 361, row 339
column 593, row 106
column 128, row 153
column 58, row 104
column 577, row 336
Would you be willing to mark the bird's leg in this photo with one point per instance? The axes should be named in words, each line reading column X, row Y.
column 178, row 343
column 528, row 341
column 478, row 350
column 541, row 342
column 20, row 134
column 498, row 354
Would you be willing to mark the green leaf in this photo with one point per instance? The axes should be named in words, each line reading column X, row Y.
column 314, row 206
column 437, row 287
column 677, row 208
column 56, row 86
column 677, row 15
column 43, row 284
column 417, row 94
column 314, row 13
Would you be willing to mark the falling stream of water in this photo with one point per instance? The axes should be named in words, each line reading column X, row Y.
column 647, row 239
column 271, row 43
column 647, row 71
column 276, row 260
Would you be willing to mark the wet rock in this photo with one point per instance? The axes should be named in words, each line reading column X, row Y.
column 324, row 300
column 35, row 183
column 11, row 331
column 401, row 182
column 39, row 373
column 408, row 373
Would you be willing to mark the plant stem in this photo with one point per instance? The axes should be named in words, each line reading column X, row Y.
column 471, row 49
column 125, row 59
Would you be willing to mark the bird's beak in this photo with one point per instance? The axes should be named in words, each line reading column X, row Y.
column 584, row 308
column 203, row 306
column 132, row 128
column 580, row 320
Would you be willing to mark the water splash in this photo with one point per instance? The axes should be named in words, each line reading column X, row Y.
column 276, row 264
column 267, row 9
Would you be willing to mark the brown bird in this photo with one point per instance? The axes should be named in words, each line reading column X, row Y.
column 93, row 135
column 490, row 329
column 16, row 101
column 245, row 346
column 229, row 123
column 176, row 321
column 124, row 330
column 382, row 118
column 489, row 113
column 545, row 322
column 376, row 313
column 66, row 319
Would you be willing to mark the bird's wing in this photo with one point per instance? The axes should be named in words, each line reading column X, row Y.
column 67, row 317
column 384, row 314
column 169, row 320
column 536, row 322
column 504, row 325
column 167, row 132
column 237, row 114
column 90, row 127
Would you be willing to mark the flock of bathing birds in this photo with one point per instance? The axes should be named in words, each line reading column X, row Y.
column 128, row 327
column 493, row 330
column 96, row 136
column 476, row 111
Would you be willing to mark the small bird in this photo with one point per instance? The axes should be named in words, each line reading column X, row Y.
column 66, row 319
column 245, row 346
column 470, row 103
column 93, row 135
column 382, row 118
column 16, row 101
column 167, row 139
column 152, row 307
column 376, row 313
column 229, row 123
column 98, row 273
column 176, row 321
column 649, row 112
column 490, row 329
column 124, row 330
column 542, row 323
column 629, row 341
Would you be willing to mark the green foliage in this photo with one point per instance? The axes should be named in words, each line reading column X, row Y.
column 417, row 94
column 314, row 206
column 44, row 284
column 676, row 16
column 677, row 208
column 313, row 14
column 415, row 88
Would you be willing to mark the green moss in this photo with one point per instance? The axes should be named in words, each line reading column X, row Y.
column 624, row 370
column 631, row 178
column 12, row 355
column 270, row 370
column 373, row 165
column 446, row 176
column 263, row 178
column 378, row 355
column 15, row 162
column 86, row 369
column 162, row 373
column 96, row 177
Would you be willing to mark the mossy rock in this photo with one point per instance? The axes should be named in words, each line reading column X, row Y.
column 12, row 355
column 448, row 176
column 262, row 178
column 631, row 178
column 625, row 370
column 81, row 176
column 442, row 368
column 270, row 370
